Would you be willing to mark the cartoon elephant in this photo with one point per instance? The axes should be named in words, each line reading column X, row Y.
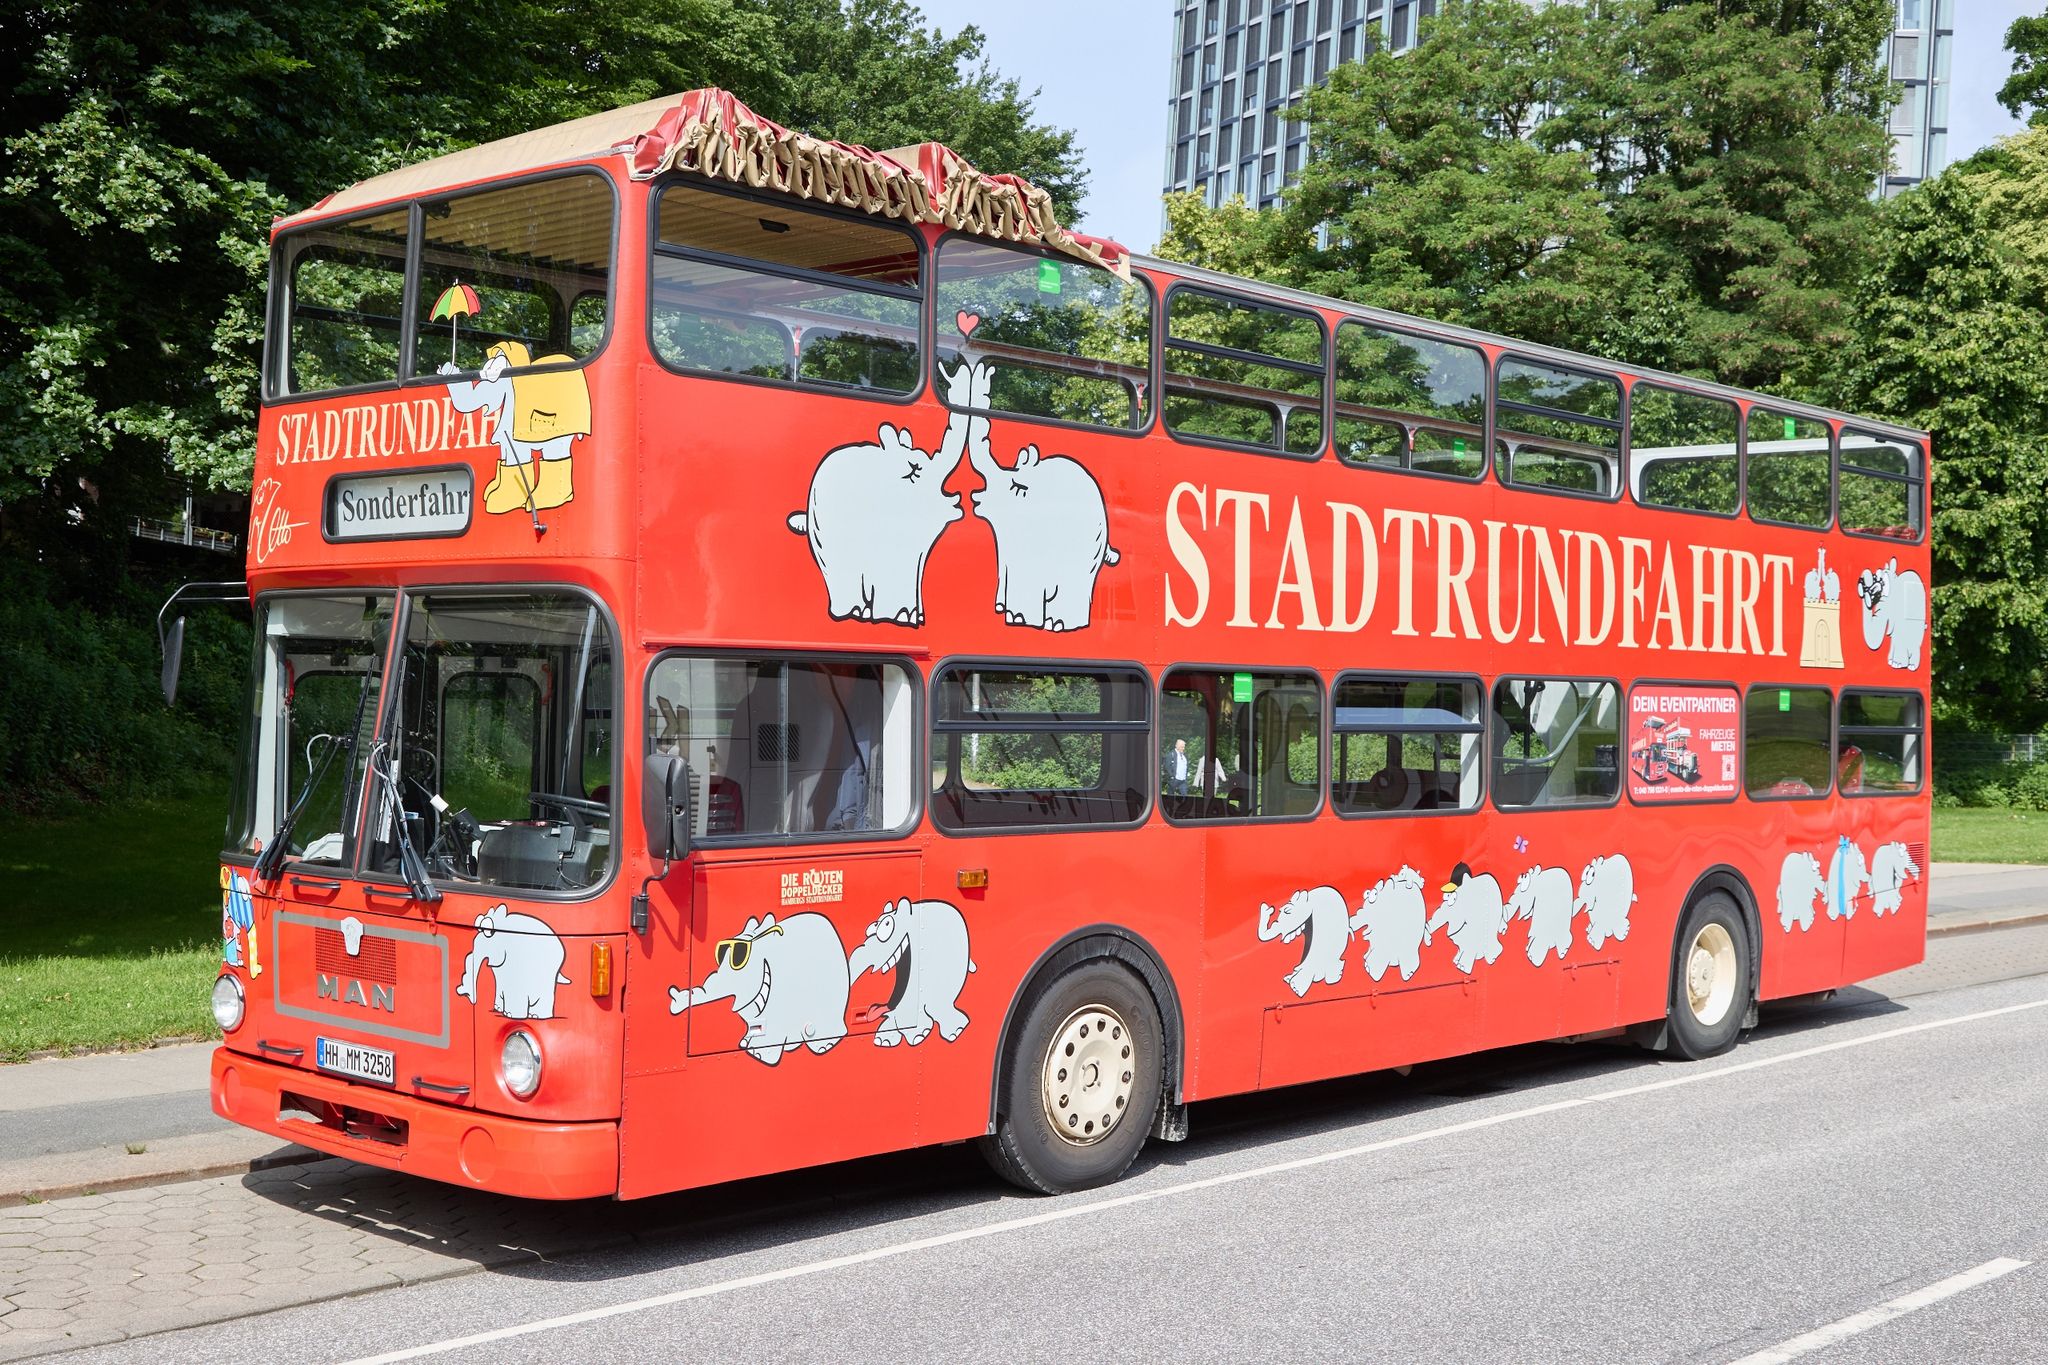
column 1543, row 896
column 1607, row 888
column 925, row 944
column 1799, row 886
column 1848, row 875
column 788, row 983
column 1395, row 921
column 1052, row 535
column 876, row 511
column 1891, row 867
column 1474, row 914
column 525, row 959
column 1321, row 915
column 237, row 919
column 537, row 418
column 1894, row 604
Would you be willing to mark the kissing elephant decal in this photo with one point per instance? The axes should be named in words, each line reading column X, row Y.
column 525, row 958
column 875, row 511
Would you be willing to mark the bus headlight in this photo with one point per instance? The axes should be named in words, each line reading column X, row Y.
column 519, row 1064
column 228, row 1002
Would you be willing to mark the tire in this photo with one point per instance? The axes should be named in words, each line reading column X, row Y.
column 1712, row 981
column 1094, row 1025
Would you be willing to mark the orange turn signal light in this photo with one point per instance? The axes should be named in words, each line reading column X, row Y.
column 600, row 970
column 972, row 879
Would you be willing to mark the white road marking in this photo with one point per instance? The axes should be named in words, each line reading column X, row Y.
column 1060, row 1215
column 1810, row 1342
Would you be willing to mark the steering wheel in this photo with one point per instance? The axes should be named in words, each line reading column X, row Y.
column 576, row 807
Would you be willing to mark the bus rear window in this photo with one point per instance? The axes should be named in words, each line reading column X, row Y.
column 344, row 305
column 523, row 272
column 767, row 290
column 1064, row 340
column 1561, row 428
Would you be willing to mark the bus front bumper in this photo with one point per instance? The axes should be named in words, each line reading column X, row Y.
column 443, row 1142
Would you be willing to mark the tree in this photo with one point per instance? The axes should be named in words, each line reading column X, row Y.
column 2026, row 89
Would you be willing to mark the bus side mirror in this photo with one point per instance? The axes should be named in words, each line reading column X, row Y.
column 665, row 806
column 174, row 658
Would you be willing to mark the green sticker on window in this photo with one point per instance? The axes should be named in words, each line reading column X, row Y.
column 1048, row 277
column 1240, row 687
column 1784, row 699
column 1791, row 429
column 1457, row 445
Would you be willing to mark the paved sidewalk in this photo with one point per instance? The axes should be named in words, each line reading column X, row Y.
column 1967, row 896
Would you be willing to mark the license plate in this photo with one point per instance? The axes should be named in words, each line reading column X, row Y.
column 353, row 1059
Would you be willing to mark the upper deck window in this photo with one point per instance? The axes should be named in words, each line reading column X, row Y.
column 344, row 289
column 538, row 259
column 1064, row 340
column 1788, row 468
column 1407, row 402
column 1682, row 450
column 1561, row 428
column 1243, row 373
column 765, row 289
column 1881, row 486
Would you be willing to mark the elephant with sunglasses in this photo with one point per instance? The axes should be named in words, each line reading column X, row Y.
column 787, row 981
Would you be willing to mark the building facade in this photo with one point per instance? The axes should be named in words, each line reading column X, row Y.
column 1918, row 52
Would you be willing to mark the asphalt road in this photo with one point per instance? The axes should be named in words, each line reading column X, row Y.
column 1547, row 1203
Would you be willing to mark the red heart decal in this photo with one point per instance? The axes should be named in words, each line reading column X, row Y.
column 967, row 322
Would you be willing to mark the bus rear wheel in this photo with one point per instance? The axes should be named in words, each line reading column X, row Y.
column 1711, row 977
column 1080, row 1082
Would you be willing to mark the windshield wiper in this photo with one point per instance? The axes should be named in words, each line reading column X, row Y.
column 271, row 860
column 410, row 865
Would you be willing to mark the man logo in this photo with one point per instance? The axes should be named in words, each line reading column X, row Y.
column 349, row 991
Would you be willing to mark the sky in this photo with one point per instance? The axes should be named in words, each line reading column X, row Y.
column 1100, row 68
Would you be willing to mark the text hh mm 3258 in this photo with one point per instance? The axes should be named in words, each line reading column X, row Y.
column 769, row 652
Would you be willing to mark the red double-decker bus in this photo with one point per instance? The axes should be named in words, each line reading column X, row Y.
column 769, row 652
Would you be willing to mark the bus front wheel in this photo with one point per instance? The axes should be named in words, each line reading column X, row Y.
column 1080, row 1082
column 1711, row 977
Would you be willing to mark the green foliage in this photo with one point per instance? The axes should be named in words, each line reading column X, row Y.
column 2025, row 92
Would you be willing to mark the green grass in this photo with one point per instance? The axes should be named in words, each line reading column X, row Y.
column 1989, row 835
column 109, row 925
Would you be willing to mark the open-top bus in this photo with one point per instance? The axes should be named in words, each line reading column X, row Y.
column 769, row 652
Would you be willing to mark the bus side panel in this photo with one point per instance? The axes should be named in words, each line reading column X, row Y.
column 1803, row 936
column 1889, row 929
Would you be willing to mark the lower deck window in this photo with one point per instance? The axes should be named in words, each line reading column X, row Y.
column 1404, row 744
column 1038, row 747
column 1785, row 750
column 787, row 748
column 1557, row 742
column 1240, row 745
column 1877, row 744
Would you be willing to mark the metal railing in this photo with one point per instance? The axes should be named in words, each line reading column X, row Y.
column 185, row 533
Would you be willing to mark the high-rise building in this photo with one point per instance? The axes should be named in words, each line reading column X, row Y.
column 1236, row 64
column 1918, row 54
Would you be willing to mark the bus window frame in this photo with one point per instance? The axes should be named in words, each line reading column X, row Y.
column 620, row 824
column 920, row 758
column 1495, row 404
column 923, row 294
column 1920, row 481
column 1630, row 384
column 1322, row 742
column 930, row 732
column 1486, row 469
column 1919, row 731
column 1479, row 806
column 1153, row 360
column 277, row 308
column 1834, row 472
column 1621, row 735
column 1741, row 731
column 1163, row 342
column 1832, row 745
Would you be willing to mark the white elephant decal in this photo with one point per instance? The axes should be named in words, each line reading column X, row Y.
column 1395, row 922
column 525, row 958
column 1474, row 914
column 1052, row 534
column 1848, row 875
column 1607, row 888
column 1891, row 867
column 1543, row 896
column 1894, row 604
column 1799, row 886
column 925, row 944
column 788, row 983
column 1320, row 914
column 875, row 511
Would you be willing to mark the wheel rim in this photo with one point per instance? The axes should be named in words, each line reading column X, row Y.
column 1086, row 1082
column 1710, row 974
